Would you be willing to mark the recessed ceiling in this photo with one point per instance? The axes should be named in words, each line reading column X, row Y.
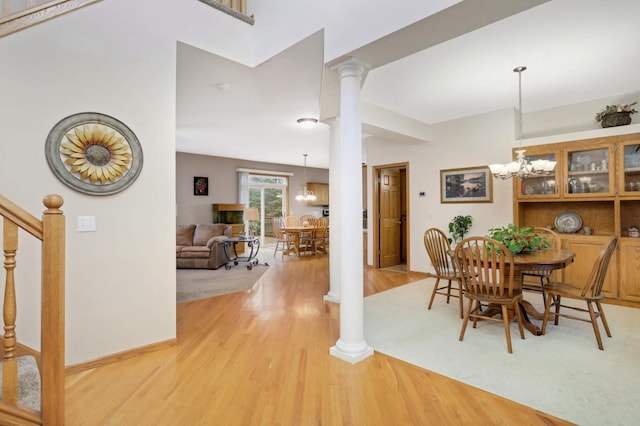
column 575, row 51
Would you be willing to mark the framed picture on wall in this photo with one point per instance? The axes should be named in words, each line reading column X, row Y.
column 468, row 185
column 200, row 185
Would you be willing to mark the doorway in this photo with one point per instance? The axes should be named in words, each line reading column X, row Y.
column 391, row 228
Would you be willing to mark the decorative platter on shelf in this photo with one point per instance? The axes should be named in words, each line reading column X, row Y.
column 568, row 222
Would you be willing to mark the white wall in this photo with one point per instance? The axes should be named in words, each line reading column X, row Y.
column 468, row 142
column 223, row 185
column 116, row 57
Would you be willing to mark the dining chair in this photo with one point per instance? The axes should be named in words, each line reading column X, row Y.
column 317, row 241
column 486, row 271
column 292, row 221
column 283, row 241
column 439, row 251
column 591, row 292
column 541, row 278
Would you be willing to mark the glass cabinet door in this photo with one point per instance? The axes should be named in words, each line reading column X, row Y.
column 540, row 183
column 589, row 172
column 629, row 161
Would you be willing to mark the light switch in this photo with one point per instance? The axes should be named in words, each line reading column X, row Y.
column 86, row 223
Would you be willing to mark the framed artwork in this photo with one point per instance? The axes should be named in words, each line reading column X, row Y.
column 94, row 153
column 468, row 185
column 200, row 185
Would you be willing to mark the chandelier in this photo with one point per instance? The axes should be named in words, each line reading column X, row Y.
column 521, row 167
column 305, row 195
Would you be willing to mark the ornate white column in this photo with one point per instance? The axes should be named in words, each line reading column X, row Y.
column 351, row 345
column 334, row 195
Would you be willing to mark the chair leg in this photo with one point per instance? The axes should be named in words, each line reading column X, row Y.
column 505, row 320
column 448, row 291
column 603, row 318
column 466, row 320
column 477, row 311
column 433, row 293
column 596, row 330
column 557, row 302
column 517, row 309
column 461, row 297
column 547, row 308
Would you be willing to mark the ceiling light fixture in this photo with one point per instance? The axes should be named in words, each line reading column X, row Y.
column 307, row 122
column 521, row 167
column 305, row 195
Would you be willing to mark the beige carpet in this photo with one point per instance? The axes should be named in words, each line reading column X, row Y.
column 193, row 284
column 561, row 373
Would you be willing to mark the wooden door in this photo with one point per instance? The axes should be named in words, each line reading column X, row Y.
column 390, row 217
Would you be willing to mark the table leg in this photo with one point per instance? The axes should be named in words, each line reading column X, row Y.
column 526, row 309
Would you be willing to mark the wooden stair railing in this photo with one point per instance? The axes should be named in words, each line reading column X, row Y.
column 235, row 8
column 51, row 231
column 34, row 12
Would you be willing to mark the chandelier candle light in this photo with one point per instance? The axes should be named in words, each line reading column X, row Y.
column 521, row 167
column 305, row 195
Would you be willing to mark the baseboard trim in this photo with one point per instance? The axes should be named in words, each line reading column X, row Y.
column 120, row 356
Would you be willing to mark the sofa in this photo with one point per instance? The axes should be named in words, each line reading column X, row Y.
column 201, row 246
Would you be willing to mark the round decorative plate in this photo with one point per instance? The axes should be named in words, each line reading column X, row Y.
column 94, row 153
column 568, row 222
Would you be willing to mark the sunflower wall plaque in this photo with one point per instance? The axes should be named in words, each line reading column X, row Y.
column 94, row 153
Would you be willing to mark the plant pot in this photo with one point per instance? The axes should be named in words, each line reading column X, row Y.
column 616, row 119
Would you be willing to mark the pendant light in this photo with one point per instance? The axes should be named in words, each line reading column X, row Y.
column 305, row 195
column 521, row 167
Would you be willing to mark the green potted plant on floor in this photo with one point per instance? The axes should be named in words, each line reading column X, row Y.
column 458, row 228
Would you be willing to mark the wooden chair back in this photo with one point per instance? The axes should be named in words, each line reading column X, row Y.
column 486, row 267
column 292, row 221
column 551, row 235
column 438, row 249
column 593, row 286
column 278, row 224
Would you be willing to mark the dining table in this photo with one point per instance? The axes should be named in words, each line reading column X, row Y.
column 541, row 260
column 297, row 232
column 550, row 259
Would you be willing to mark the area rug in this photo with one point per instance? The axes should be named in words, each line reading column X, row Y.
column 193, row 284
column 561, row 373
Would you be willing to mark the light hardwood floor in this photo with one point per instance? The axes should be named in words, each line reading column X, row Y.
column 262, row 358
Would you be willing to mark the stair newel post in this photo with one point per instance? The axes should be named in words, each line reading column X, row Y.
column 53, row 311
column 9, row 366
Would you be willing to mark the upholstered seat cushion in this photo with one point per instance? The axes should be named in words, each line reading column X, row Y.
column 195, row 252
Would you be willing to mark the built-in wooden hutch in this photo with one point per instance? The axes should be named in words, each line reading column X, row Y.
column 599, row 179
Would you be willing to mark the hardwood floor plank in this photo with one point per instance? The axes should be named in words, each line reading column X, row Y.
column 262, row 358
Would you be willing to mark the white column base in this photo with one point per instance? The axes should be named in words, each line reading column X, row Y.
column 332, row 297
column 351, row 353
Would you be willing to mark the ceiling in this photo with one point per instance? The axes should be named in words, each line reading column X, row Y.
column 575, row 51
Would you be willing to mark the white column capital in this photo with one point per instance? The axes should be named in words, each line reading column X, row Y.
column 352, row 67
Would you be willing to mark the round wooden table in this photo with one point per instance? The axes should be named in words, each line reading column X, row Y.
column 543, row 260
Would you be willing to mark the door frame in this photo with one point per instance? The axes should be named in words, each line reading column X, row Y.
column 375, row 189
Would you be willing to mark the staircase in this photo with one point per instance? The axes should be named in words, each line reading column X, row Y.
column 32, row 390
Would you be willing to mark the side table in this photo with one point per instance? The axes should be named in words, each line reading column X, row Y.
column 230, row 251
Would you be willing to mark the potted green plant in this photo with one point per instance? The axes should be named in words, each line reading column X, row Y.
column 458, row 228
column 519, row 240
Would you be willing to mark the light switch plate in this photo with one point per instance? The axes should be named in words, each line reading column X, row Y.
column 86, row 223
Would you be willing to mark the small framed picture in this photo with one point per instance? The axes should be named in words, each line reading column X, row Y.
column 200, row 185
column 468, row 185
